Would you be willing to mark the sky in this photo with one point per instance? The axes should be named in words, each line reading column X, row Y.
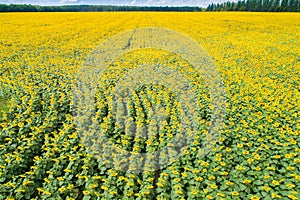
column 201, row 3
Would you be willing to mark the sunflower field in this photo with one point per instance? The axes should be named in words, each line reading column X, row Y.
column 255, row 156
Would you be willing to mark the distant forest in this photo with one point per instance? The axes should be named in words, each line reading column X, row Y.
column 241, row 5
column 92, row 8
column 258, row 6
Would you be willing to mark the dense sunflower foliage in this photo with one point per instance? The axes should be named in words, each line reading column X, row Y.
column 256, row 157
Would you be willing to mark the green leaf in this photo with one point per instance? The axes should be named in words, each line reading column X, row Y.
column 264, row 194
column 2, row 179
column 258, row 182
column 242, row 187
column 86, row 197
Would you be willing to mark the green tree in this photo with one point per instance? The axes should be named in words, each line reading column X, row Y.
column 284, row 5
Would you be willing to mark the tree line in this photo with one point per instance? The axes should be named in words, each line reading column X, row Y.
column 241, row 5
column 257, row 6
column 92, row 8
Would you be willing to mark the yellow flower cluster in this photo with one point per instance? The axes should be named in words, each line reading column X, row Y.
column 42, row 155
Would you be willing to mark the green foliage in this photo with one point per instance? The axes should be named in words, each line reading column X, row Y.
column 92, row 8
column 244, row 5
column 3, row 105
column 257, row 6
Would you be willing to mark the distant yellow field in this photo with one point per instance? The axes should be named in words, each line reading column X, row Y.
column 255, row 157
